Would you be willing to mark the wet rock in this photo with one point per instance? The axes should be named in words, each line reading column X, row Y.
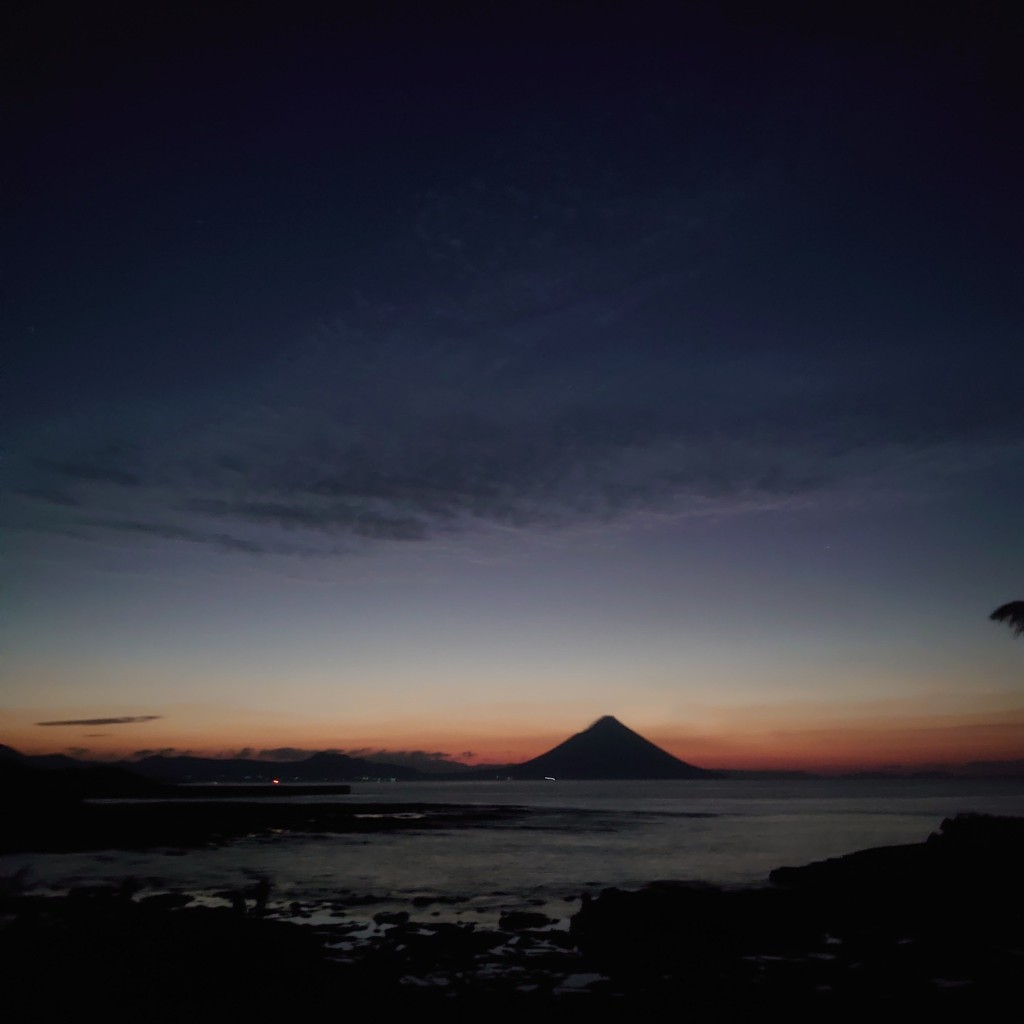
column 520, row 920
column 392, row 917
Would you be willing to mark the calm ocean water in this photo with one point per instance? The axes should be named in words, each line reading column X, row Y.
column 578, row 837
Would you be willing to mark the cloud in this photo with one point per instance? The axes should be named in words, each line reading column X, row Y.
column 278, row 754
column 124, row 720
column 427, row 761
column 51, row 496
column 166, row 531
column 347, row 518
column 590, row 444
column 105, row 466
column 529, row 350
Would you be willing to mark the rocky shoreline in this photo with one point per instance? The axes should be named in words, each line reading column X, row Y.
column 935, row 927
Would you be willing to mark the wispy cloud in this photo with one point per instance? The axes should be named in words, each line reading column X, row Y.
column 166, row 531
column 105, row 466
column 278, row 753
column 572, row 373
column 427, row 761
column 123, row 720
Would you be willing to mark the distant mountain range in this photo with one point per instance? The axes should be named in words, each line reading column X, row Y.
column 607, row 749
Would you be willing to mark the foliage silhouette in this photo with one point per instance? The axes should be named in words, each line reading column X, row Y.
column 1012, row 613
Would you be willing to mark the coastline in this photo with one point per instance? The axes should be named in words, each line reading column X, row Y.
column 934, row 927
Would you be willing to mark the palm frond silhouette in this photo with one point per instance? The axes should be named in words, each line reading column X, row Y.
column 1012, row 614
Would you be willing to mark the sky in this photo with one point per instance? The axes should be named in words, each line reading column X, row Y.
column 437, row 379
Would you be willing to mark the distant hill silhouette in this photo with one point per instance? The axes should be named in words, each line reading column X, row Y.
column 320, row 767
column 608, row 750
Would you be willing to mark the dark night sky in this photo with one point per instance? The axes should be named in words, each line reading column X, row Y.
column 449, row 378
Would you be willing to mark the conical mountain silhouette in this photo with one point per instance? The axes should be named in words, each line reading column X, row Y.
column 608, row 750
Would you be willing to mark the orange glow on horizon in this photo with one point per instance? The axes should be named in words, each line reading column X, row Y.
column 825, row 747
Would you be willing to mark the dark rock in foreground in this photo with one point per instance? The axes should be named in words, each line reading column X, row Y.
column 934, row 927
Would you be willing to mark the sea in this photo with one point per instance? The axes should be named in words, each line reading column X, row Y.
column 575, row 838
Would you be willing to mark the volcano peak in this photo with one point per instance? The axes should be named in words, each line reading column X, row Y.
column 607, row 749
